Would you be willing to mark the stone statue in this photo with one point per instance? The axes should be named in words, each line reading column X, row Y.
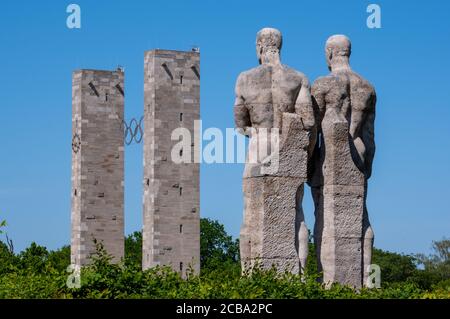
column 274, row 109
column 344, row 104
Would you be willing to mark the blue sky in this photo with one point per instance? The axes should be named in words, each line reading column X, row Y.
column 407, row 60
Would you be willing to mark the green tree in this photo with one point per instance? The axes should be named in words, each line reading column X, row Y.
column 217, row 248
column 311, row 267
column 133, row 249
column 59, row 259
column 8, row 261
column 394, row 267
column 34, row 258
column 437, row 264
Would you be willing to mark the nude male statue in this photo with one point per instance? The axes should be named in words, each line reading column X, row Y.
column 344, row 96
column 265, row 96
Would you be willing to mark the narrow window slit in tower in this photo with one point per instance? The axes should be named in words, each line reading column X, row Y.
column 181, row 229
column 119, row 88
column 166, row 68
column 75, row 193
column 181, row 117
column 181, row 152
column 91, row 85
column 194, row 69
column 181, row 191
column 181, row 266
column 106, row 97
column 181, row 79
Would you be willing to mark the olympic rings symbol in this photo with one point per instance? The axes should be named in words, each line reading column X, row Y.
column 76, row 143
column 133, row 131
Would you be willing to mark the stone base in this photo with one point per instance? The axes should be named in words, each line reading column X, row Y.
column 273, row 231
column 340, row 208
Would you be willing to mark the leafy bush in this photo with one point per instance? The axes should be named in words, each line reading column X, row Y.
column 39, row 273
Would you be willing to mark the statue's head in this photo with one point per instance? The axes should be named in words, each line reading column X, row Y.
column 337, row 50
column 268, row 40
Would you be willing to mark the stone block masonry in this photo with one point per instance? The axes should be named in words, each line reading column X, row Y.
column 97, row 164
column 171, row 213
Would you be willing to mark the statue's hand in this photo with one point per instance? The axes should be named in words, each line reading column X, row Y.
column 247, row 131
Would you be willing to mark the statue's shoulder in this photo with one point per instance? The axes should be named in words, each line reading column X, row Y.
column 325, row 83
column 250, row 74
column 295, row 74
column 255, row 71
column 358, row 81
column 363, row 92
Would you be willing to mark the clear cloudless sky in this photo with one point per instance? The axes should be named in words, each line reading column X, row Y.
column 407, row 60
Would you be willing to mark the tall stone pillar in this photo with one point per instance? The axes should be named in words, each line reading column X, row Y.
column 171, row 231
column 97, row 164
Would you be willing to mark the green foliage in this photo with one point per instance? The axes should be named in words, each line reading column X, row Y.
column 8, row 261
column 2, row 224
column 34, row 258
column 39, row 273
column 59, row 259
column 394, row 267
column 218, row 250
column 30, row 285
column 133, row 249
column 311, row 267
column 438, row 262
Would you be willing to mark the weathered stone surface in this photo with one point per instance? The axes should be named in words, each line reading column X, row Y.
column 274, row 96
column 290, row 157
column 171, row 231
column 97, row 164
column 345, row 110
column 271, row 232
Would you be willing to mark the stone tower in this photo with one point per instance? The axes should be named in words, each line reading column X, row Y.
column 171, row 230
column 97, row 163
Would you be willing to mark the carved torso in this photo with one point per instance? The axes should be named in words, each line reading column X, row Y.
column 347, row 91
column 267, row 91
column 352, row 98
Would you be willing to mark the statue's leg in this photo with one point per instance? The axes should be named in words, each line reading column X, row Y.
column 245, row 241
column 318, row 223
column 368, row 238
column 301, row 231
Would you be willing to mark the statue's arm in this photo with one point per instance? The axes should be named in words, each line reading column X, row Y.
column 368, row 135
column 304, row 105
column 241, row 114
column 318, row 93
